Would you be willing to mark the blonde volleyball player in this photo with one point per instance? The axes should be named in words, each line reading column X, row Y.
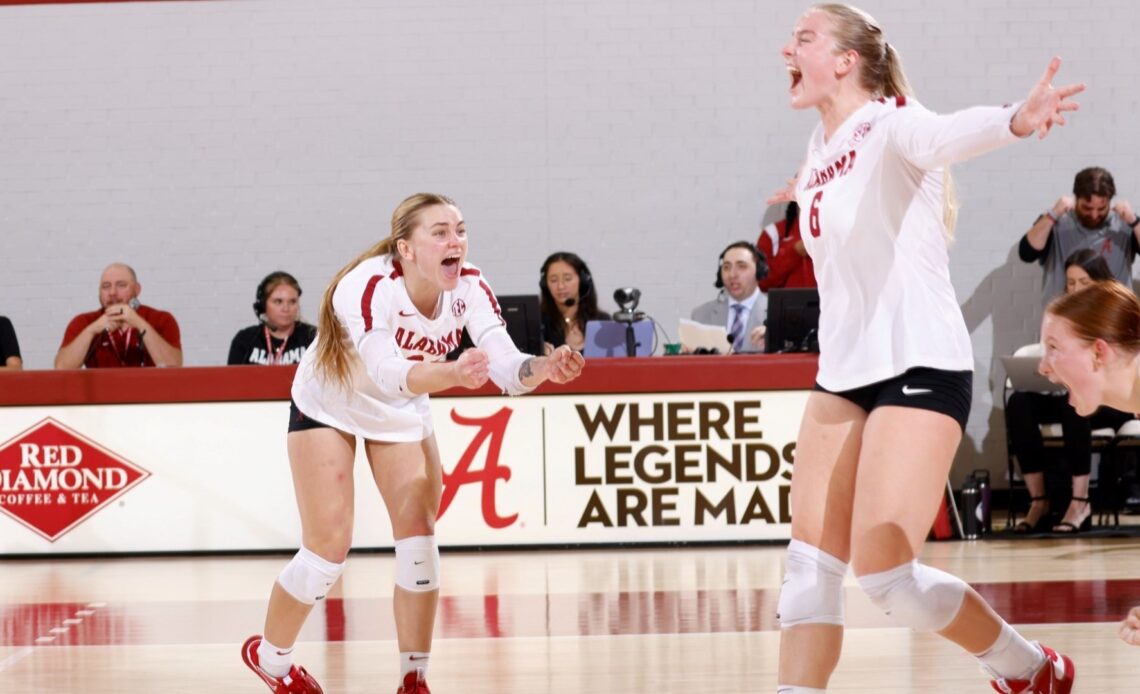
column 387, row 320
column 893, row 390
column 1092, row 346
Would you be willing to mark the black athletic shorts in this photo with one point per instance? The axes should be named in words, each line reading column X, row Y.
column 299, row 421
column 946, row 392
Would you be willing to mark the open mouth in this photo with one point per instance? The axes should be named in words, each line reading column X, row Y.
column 796, row 77
column 451, row 265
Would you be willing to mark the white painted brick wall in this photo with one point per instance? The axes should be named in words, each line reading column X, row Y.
column 209, row 143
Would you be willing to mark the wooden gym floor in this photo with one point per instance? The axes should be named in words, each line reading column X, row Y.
column 536, row 622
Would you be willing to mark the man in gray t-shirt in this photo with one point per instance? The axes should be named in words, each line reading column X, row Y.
column 1085, row 219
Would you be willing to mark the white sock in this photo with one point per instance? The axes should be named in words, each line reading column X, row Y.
column 792, row 689
column 411, row 661
column 274, row 659
column 1012, row 657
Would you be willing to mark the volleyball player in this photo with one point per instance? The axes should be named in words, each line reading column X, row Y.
column 893, row 390
column 386, row 322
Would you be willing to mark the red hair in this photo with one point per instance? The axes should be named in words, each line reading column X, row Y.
column 1106, row 311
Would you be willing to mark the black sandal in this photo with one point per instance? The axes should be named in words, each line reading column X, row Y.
column 1067, row 528
column 1023, row 527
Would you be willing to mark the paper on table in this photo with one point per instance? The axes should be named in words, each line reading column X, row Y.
column 694, row 335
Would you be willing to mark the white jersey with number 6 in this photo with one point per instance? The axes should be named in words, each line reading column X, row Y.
column 871, row 213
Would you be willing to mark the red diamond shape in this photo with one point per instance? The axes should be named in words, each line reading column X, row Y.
column 53, row 478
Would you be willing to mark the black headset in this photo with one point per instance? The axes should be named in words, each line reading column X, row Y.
column 757, row 257
column 276, row 276
column 585, row 279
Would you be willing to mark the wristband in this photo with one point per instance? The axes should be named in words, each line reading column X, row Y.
column 1050, row 215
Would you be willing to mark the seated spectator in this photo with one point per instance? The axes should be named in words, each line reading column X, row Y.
column 1025, row 412
column 9, row 347
column 279, row 336
column 567, row 301
column 739, row 306
column 789, row 265
column 123, row 333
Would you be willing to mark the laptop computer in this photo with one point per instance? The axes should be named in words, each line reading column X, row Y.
column 1023, row 375
column 606, row 338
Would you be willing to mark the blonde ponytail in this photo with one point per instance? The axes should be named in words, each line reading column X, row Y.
column 331, row 356
column 881, row 75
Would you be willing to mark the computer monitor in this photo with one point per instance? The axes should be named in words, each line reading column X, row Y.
column 524, row 321
column 793, row 321
column 524, row 324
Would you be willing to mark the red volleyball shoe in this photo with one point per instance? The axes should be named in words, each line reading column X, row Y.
column 414, row 683
column 298, row 681
column 1054, row 677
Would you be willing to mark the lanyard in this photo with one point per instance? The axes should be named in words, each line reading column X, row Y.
column 274, row 355
column 126, row 345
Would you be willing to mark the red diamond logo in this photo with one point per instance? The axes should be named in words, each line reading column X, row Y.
column 53, row 478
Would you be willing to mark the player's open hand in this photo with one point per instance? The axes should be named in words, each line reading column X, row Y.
column 785, row 194
column 564, row 365
column 1130, row 628
column 472, row 368
column 1046, row 105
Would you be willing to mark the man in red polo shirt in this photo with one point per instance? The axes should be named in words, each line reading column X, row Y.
column 121, row 333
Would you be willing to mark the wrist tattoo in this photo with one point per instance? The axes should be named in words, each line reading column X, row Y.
column 525, row 371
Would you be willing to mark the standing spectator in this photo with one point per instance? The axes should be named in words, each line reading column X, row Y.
column 123, row 333
column 1085, row 219
column 567, row 300
column 9, row 347
column 279, row 337
column 789, row 265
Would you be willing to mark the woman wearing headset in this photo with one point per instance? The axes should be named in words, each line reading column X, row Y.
column 279, row 337
column 568, row 301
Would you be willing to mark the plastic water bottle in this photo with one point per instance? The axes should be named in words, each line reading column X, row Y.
column 983, row 479
column 971, row 505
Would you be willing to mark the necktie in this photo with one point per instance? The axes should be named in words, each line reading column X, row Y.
column 736, row 332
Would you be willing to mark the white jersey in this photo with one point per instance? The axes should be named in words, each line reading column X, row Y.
column 388, row 337
column 871, row 210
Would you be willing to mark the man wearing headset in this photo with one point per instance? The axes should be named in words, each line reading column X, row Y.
column 740, row 306
column 279, row 337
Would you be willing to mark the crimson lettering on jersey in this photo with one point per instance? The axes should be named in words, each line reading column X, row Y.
column 416, row 346
column 840, row 167
column 813, row 214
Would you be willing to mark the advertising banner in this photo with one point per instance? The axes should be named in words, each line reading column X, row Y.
column 549, row 470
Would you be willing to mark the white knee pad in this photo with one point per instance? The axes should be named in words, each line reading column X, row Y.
column 309, row 577
column 417, row 563
column 915, row 595
column 813, row 587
